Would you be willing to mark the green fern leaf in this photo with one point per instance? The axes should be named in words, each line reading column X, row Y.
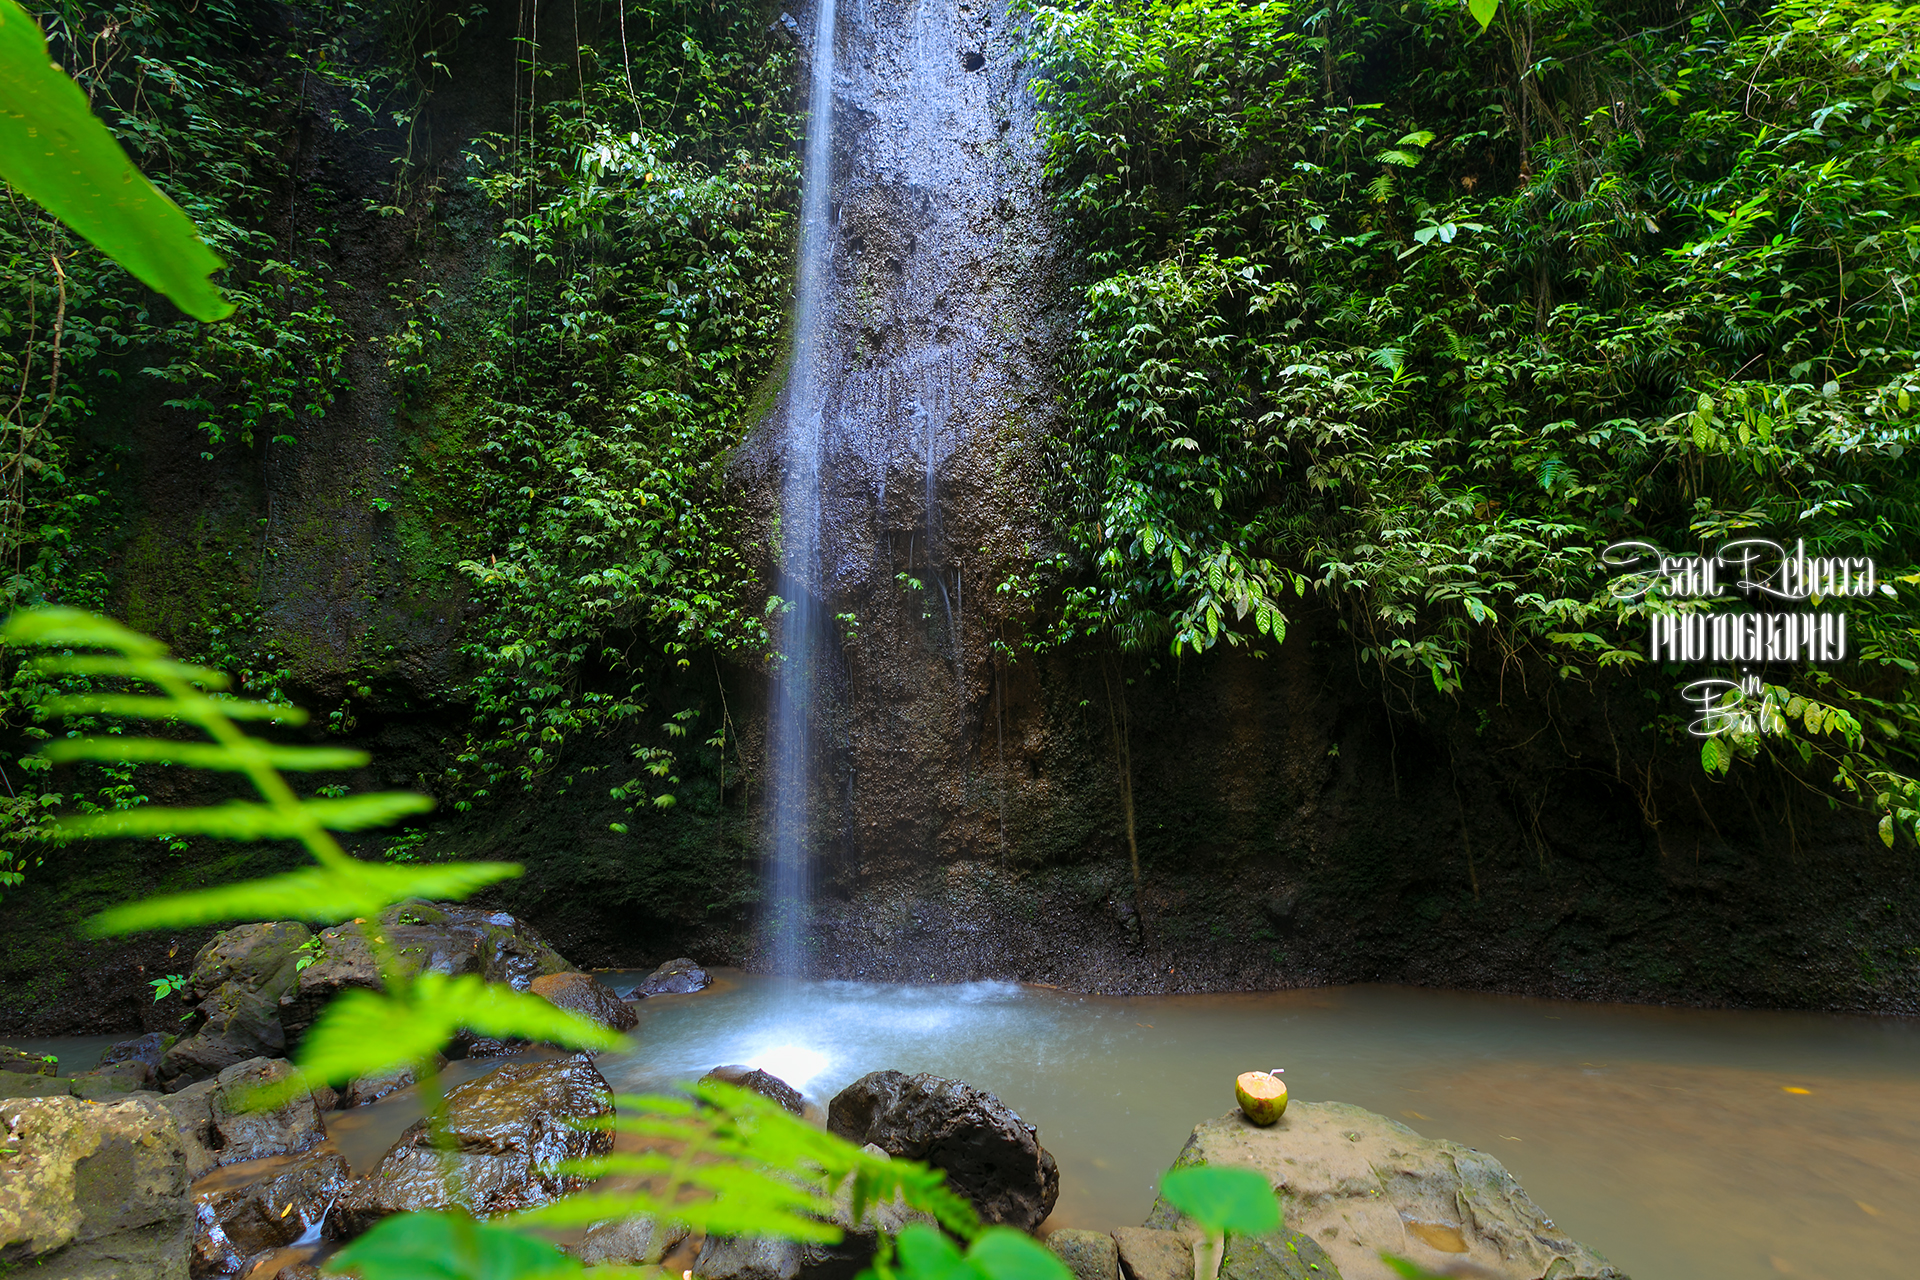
column 244, row 820
column 325, row 894
column 205, row 755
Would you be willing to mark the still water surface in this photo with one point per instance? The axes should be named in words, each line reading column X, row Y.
column 1683, row 1144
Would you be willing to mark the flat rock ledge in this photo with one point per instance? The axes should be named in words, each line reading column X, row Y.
column 1353, row 1185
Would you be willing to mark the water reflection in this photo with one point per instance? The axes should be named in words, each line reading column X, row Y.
column 1666, row 1138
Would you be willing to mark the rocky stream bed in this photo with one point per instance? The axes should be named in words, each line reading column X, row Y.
column 152, row 1166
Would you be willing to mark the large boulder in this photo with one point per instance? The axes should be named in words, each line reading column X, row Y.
column 989, row 1154
column 1089, row 1255
column 425, row 939
column 238, row 1220
column 150, row 1048
column 260, row 986
column 93, row 1192
column 627, row 1242
column 675, row 977
column 510, row 1130
column 218, row 1125
column 583, row 994
column 1355, row 1183
column 128, row 1076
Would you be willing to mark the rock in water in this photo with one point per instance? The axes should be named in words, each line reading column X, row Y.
column 1090, row 1255
column 510, row 1128
column 989, row 1155
column 674, row 978
column 150, row 1048
column 21, row 1062
column 583, row 994
column 767, row 1086
column 1355, row 1183
column 627, row 1242
column 93, row 1192
column 234, row 1223
column 1261, row 1095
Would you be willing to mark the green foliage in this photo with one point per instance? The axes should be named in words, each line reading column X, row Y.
column 1424, row 357
column 172, row 984
column 999, row 1253
column 1221, row 1198
column 53, row 151
column 447, row 1246
column 646, row 216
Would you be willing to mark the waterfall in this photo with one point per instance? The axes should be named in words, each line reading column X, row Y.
column 802, row 632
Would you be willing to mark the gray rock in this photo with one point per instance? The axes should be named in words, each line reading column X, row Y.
column 1281, row 1255
column 242, row 1133
column 1357, row 1183
column 627, row 1242
column 760, row 1082
column 989, row 1154
column 129, row 1075
column 1090, row 1255
column 192, row 1112
column 674, row 978
column 95, row 1192
column 150, row 1048
column 1148, row 1254
column 511, row 1130
column 367, row 1089
column 583, row 994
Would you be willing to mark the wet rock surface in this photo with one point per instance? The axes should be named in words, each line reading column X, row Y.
column 1354, row 1183
column 92, row 1192
column 760, row 1082
column 253, row 1210
column 129, row 1076
column 627, row 1242
column 510, row 1128
column 216, row 1128
column 150, row 1048
column 22, row 1084
column 990, row 1155
column 673, row 978
column 585, row 995
column 20, row 1062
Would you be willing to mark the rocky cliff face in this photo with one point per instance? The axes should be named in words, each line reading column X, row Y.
column 970, row 814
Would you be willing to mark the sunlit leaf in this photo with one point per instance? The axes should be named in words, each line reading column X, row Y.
column 321, row 894
column 204, row 755
column 1223, row 1198
column 365, row 1032
column 445, row 1246
column 1483, row 11
column 54, row 151
column 245, row 820
column 135, row 707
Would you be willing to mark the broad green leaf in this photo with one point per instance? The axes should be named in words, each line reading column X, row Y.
column 1483, row 11
column 322, row 894
column 55, row 152
column 1409, row 1270
column 1222, row 1198
column 205, row 755
column 245, row 820
column 924, row 1254
column 1001, row 1253
column 444, row 1246
column 1710, row 755
column 1886, row 830
column 365, row 1032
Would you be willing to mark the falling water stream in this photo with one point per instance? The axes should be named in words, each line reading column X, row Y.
column 800, row 586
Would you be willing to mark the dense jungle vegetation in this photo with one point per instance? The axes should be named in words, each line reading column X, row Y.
column 1378, row 305
column 1420, row 317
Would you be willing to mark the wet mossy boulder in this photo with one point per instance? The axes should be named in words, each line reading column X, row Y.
column 233, row 1223
column 990, row 1155
column 20, row 1062
column 260, row 986
column 21, row 1084
column 510, row 1130
column 218, row 1125
column 89, row 1191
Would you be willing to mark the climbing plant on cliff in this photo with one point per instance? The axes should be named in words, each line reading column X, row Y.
column 1421, row 317
column 645, row 213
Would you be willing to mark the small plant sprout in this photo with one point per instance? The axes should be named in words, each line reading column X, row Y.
column 1220, row 1200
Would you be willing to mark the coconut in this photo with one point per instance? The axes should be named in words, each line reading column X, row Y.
column 1262, row 1095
